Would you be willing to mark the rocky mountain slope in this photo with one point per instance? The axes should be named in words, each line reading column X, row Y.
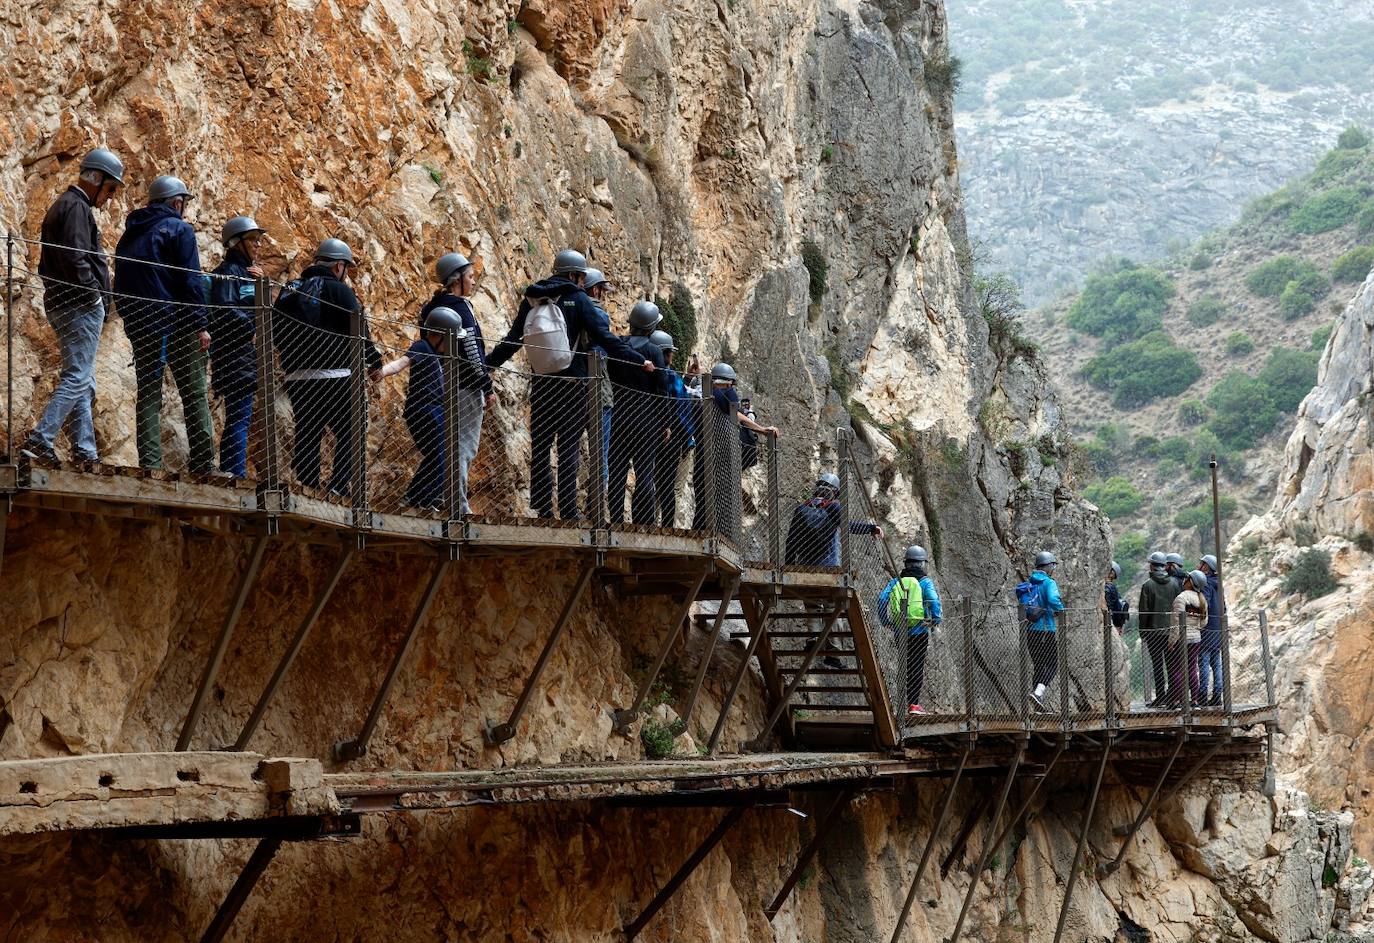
column 1093, row 128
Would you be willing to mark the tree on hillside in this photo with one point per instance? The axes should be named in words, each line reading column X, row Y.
column 1143, row 370
column 1123, row 303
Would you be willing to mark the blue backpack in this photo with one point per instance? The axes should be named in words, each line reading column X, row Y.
column 1032, row 602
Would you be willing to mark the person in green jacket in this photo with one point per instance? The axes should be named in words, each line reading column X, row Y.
column 1155, row 610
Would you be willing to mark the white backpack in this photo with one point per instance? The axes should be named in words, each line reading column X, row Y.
column 546, row 338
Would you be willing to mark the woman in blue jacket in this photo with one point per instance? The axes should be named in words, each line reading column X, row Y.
column 233, row 355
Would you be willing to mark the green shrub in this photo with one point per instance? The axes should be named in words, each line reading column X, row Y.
column 943, row 74
column 1192, row 412
column 1143, row 370
column 1200, row 261
column 1353, row 138
column 1311, row 575
column 680, row 320
column 1288, row 376
column 1321, row 335
column 1335, row 164
column 1130, row 549
column 1364, row 221
column 1238, row 344
column 658, row 737
column 1273, row 208
column 999, row 299
column 1116, row 496
column 1102, row 459
column 1326, row 211
column 814, row 260
column 1242, row 413
column 1354, row 265
column 1205, row 312
column 1269, row 279
column 1172, row 449
column 1296, row 301
column 1121, row 304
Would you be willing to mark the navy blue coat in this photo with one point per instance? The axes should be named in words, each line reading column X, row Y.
column 166, row 297
column 469, row 376
column 233, row 356
column 585, row 327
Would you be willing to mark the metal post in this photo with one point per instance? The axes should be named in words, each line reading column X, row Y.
column 987, row 849
column 1225, row 616
column 292, row 650
column 453, row 404
column 357, row 747
column 621, row 720
column 1082, row 838
column 596, row 480
column 1108, row 673
column 1023, row 651
column 1187, row 689
column 1062, row 654
column 727, row 595
column 1026, row 803
column 1105, row 869
column 500, row 733
column 758, row 742
column 930, row 844
column 846, row 556
column 633, row 928
column 10, row 451
column 1269, row 786
column 823, row 828
column 775, row 554
column 966, row 670
column 709, row 449
column 754, row 641
column 358, row 420
column 269, row 474
column 221, row 646
column 258, row 861
column 734, row 475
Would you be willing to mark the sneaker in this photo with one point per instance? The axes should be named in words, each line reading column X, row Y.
column 914, row 709
column 830, row 661
column 1037, row 705
column 35, row 451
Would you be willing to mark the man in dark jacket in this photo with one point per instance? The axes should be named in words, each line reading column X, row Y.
column 558, row 404
column 713, row 424
column 1118, row 608
column 76, row 281
column 162, row 302
column 639, row 423
column 1156, row 612
column 457, row 277
column 314, row 329
column 233, row 356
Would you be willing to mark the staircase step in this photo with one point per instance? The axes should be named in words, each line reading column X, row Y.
column 849, row 672
column 831, row 689
column 772, row 633
column 847, row 708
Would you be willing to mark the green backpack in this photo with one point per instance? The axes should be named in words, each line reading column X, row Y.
column 906, row 604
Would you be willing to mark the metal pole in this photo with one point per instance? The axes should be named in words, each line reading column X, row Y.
column 621, row 720
column 1187, row 688
column 754, row 641
column 1269, row 786
column 726, row 596
column 258, row 861
column 1062, row 654
column 1108, row 673
column 1025, row 803
column 596, row 481
column 892, row 568
column 930, row 845
column 1082, row 839
column 453, row 404
column 269, row 474
column 1105, row 869
column 358, row 421
column 709, row 449
column 353, row 749
column 292, row 650
column 823, row 829
column 987, row 849
column 1024, row 653
column 734, row 476
column 10, row 450
column 775, row 555
column 966, row 670
column 846, row 558
column 633, row 928
column 221, row 646
column 1225, row 616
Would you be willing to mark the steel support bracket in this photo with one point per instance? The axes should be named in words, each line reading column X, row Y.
column 9, row 478
column 633, row 928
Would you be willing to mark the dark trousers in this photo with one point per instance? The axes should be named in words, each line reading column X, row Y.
column 665, row 482
column 426, row 427
column 320, row 405
column 916, row 646
column 634, row 441
column 233, row 441
column 1157, row 647
column 558, row 414
column 1044, row 655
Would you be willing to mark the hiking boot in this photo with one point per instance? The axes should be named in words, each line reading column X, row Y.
column 35, row 451
column 830, row 661
column 1036, row 704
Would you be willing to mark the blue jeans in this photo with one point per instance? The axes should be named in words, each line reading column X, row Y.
column 1210, row 665
column 78, row 334
column 233, row 441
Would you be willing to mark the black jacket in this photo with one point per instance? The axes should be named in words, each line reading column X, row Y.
column 472, row 373
column 233, row 356
column 1156, row 607
column 630, row 374
column 72, row 254
column 1118, row 607
column 584, row 326
column 324, row 345
column 157, row 274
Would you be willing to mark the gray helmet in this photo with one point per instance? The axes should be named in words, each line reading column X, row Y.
column 334, row 250
column 662, row 340
column 594, row 277
column 443, row 319
column 1198, row 578
column 1045, row 558
column 645, row 316
column 569, row 262
column 167, row 187
column 449, row 265
column 1157, row 559
column 1211, row 561
column 723, row 372
column 1116, row 569
column 1175, row 558
column 828, row 480
column 916, row 554
column 237, row 227
column 104, row 160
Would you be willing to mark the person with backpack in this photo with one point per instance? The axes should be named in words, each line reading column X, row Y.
column 1189, row 615
column 424, row 407
column 1040, row 600
column 681, row 434
column 313, row 331
column 1118, row 608
column 910, row 606
column 457, row 277
column 555, row 326
column 162, row 302
column 715, row 410
column 1155, row 611
column 1209, row 663
column 76, row 288
column 233, row 325
column 641, row 422
column 813, row 534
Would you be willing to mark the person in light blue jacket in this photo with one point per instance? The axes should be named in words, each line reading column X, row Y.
column 1040, row 600
column 910, row 602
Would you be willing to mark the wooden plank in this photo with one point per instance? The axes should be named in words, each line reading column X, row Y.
column 884, row 721
column 151, row 490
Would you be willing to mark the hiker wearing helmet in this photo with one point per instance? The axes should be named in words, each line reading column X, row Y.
column 1209, row 661
column 681, row 433
column 1040, row 600
column 424, row 407
column 313, row 327
column 641, row 420
column 813, row 535
column 1118, row 608
column 1173, row 565
column 1155, row 612
column 597, row 286
column 162, row 301
column 722, row 396
column 556, row 325
column 910, row 606
column 76, row 286
column 1190, row 609
column 457, row 278
column 233, row 356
